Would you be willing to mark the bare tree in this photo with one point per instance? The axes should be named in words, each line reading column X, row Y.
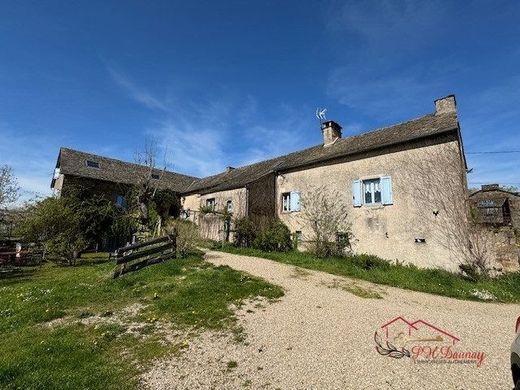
column 149, row 181
column 437, row 184
column 9, row 189
column 326, row 217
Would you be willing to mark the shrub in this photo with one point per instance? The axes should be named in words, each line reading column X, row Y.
column 276, row 237
column 187, row 235
column 245, row 232
column 54, row 223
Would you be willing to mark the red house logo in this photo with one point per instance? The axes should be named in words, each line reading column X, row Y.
column 421, row 341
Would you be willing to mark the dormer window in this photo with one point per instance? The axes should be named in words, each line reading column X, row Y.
column 92, row 164
column 156, row 176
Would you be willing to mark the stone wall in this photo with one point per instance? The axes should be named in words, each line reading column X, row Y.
column 421, row 226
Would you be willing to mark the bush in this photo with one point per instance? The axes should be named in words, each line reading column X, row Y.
column 276, row 237
column 55, row 224
column 245, row 232
column 187, row 235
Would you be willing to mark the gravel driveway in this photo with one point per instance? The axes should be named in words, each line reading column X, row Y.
column 320, row 336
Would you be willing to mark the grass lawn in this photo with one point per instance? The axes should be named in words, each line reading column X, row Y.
column 77, row 328
column 435, row 281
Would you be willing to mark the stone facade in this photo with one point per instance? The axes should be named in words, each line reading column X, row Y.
column 212, row 226
column 407, row 229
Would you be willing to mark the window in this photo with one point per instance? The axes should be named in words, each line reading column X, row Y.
column 185, row 213
column 298, row 235
column 286, row 202
column 92, row 164
column 120, row 201
column 372, row 191
column 156, row 176
column 376, row 191
column 229, row 206
column 342, row 241
column 210, row 203
column 290, row 201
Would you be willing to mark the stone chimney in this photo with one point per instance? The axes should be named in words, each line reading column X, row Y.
column 446, row 105
column 490, row 187
column 331, row 132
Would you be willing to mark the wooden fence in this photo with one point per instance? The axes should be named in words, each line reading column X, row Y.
column 142, row 254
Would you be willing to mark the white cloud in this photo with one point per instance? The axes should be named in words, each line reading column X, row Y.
column 137, row 93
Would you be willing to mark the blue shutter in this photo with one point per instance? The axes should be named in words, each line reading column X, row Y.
column 295, row 201
column 386, row 190
column 120, row 201
column 356, row 193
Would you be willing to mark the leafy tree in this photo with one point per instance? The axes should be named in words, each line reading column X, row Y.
column 54, row 223
column 9, row 189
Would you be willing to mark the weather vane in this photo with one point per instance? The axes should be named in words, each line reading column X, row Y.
column 320, row 114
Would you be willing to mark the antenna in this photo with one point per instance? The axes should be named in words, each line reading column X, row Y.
column 320, row 114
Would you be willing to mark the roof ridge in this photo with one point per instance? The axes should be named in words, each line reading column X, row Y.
column 124, row 162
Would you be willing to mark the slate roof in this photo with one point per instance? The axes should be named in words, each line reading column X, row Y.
column 73, row 162
column 426, row 126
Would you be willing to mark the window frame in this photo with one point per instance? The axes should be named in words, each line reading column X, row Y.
column 286, row 202
column 211, row 202
column 229, row 206
column 92, row 164
column 373, row 196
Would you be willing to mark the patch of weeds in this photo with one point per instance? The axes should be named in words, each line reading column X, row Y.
column 85, row 314
column 232, row 365
column 362, row 292
column 300, row 273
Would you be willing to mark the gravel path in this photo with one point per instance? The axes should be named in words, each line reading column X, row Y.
column 320, row 336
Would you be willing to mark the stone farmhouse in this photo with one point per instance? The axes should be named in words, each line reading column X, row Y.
column 405, row 186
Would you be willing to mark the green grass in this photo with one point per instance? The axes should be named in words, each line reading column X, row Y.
column 505, row 288
column 181, row 294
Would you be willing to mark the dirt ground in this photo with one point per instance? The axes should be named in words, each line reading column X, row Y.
column 320, row 335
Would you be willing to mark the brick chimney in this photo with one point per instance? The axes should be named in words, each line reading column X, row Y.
column 331, row 132
column 446, row 105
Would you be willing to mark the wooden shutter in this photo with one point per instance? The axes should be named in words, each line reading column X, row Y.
column 356, row 193
column 295, row 201
column 386, row 190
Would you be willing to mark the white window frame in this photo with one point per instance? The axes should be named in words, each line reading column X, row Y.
column 374, row 185
column 211, row 202
column 229, row 206
column 286, row 202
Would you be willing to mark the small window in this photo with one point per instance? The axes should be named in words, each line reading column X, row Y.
column 185, row 213
column 156, row 176
column 210, row 203
column 92, row 164
column 298, row 235
column 342, row 241
column 120, row 201
column 372, row 191
column 286, row 202
column 229, row 206
column 291, row 201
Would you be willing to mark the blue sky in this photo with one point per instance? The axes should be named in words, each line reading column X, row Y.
column 233, row 82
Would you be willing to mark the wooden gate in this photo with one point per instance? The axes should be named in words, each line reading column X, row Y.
column 142, row 254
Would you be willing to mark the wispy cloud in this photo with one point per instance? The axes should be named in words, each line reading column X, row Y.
column 138, row 93
column 204, row 136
